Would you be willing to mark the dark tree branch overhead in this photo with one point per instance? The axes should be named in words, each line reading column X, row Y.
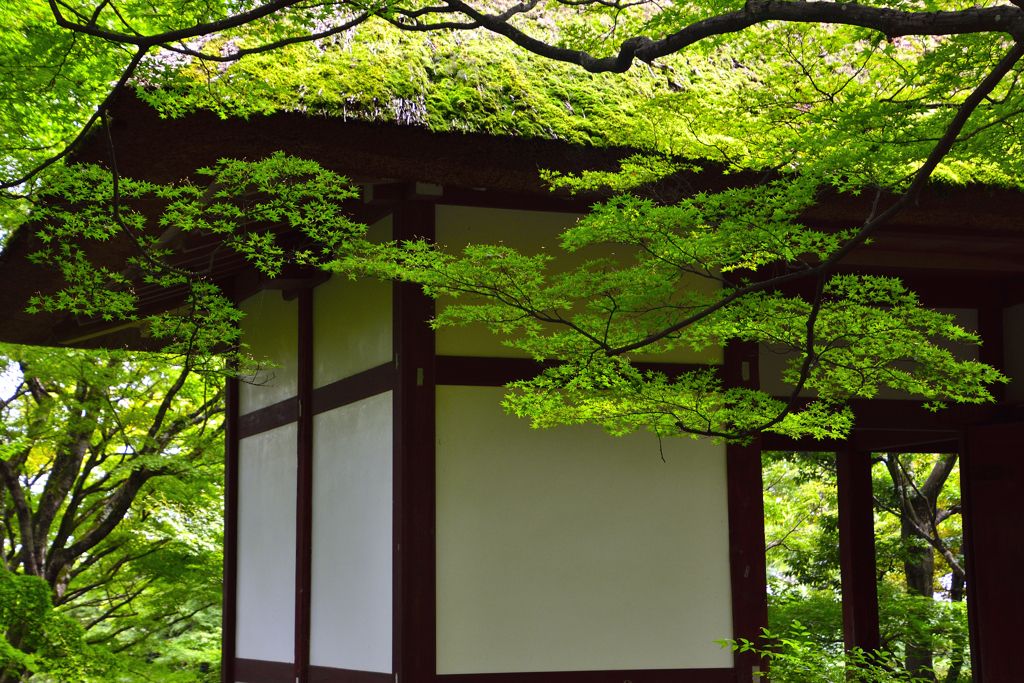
column 892, row 23
column 874, row 222
column 97, row 115
column 458, row 14
column 239, row 53
column 202, row 29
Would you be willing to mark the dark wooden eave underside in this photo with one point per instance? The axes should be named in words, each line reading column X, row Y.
column 961, row 247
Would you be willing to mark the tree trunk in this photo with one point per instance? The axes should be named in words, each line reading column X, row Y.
column 956, row 664
column 919, row 517
column 919, row 570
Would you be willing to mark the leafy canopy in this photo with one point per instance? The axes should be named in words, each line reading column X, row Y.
column 876, row 99
column 110, row 495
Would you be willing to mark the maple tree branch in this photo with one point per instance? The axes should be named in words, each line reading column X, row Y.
column 24, row 514
column 100, row 112
column 920, row 179
column 201, row 29
column 267, row 47
column 890, row 22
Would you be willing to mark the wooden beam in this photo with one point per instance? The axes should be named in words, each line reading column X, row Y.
column 477, row 371
column 269, row 417
column 613, row 676
column 261, row 671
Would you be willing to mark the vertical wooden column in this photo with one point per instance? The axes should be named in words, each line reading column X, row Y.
column 746, row 523
column 992, row 486
column 229, row 603
column 857, row 551
column 967, row 551
column 992, row 349
column 304, row 494
column 414, row 651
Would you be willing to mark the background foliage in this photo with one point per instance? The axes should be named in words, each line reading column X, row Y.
column 111, row 514
column 878, row 101
column 801, row 527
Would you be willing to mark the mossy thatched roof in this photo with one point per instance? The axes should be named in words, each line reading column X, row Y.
column 470, row 82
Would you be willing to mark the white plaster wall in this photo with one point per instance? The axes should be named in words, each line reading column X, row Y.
column 772, row 360
column 531, row 232
column 569, row 549
column 351, row 327
column 1013, row 351
column 352, row 534
column 352, row 322
column 966, row 318
column 270, row 329
column 266, row 545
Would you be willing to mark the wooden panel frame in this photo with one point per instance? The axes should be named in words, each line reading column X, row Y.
column 358, row 387
column 970, row 564
column 337, row 394
column 613, row 676
column 229, row 599
column 330, row 674
column 748, row 572
column 269, row 417
column 993, row 349
column 301, row 409
column 260, row 671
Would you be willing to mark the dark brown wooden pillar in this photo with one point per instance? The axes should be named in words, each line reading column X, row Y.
column 992, row 486
column 857, row 551
column 414, row 655
column 229, row 602
column 746, row 522
column 304, row 477
column 992, row 349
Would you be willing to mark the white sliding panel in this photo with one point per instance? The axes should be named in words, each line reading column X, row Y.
column 533, row 232
column 352, row 322
column 351, row 327
column 266, row 545
column 352, row 532
column 568, row 549
column 528, row 231
column 270, row 331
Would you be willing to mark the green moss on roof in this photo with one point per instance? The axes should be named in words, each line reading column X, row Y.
column 443, row 81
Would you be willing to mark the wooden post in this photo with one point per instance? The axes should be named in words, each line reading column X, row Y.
column 414, row 601
column 992, row 486
column 746, row 523
column 304, row 495
column 992, row 349
column 857, row 551
column 229, row 602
